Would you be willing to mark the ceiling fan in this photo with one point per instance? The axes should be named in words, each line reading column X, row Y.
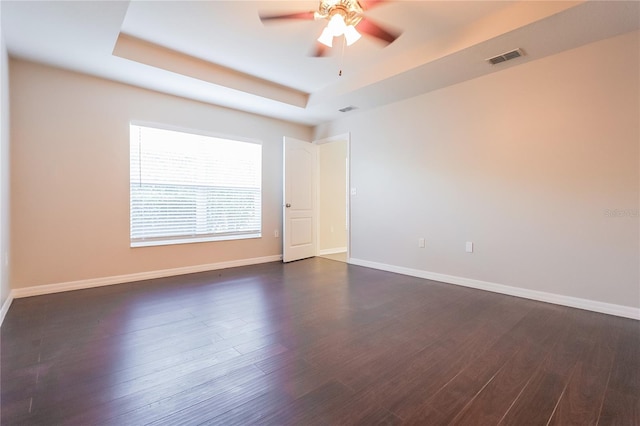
column 343, row 17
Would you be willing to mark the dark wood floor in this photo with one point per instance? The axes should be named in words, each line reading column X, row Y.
column 312, row 342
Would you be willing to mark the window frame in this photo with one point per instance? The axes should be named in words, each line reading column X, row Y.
column 168, row 240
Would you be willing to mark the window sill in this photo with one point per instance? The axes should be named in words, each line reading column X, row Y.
column 190, row 240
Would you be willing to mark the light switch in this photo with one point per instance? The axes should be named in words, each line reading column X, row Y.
column 469, row 247
column 421, row 243
column 354, row 191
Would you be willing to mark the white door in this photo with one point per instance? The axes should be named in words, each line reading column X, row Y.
column 299, row 196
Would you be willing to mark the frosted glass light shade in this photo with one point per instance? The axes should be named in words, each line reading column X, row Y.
column 351, row 35
column 337, row 25
column 326, row 37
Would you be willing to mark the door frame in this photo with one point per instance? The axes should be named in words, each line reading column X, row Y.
column 341, row 137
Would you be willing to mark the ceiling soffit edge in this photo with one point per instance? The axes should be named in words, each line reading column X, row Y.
column 144, row 52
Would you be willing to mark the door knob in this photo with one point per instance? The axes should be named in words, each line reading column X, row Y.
column 287, row 205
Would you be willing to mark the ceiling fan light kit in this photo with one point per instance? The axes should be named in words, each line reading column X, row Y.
column 336, row 28
column 343, row 16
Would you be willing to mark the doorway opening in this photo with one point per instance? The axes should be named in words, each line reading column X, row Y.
column 333, row 198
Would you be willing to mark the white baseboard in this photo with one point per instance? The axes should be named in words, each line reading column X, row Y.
column 574, row 302
column 558, row 299
column 139, row 276
column 5, row 307
column 332, row 251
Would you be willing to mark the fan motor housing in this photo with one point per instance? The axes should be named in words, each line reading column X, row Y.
column 351, row 10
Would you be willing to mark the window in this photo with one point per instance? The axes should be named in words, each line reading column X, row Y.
column 190, row 188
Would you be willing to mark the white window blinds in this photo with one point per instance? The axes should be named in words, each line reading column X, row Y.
column 189, row 188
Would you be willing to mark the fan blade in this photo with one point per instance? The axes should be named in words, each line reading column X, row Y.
column 320, row 50
column 298, row 15
column 367, row 26
column 370, row 4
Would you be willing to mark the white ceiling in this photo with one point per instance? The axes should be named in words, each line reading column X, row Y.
column 219, row 51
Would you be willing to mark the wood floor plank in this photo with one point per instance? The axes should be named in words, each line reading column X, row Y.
column 60, row 404
column 456, row 394
column 287, row 385
column 188, row 374
column 496, row 396
column 252, row 411
column 312, row 342
column 582, row 397
column 403, row 390
column 625, row 374
column 429, row 370
column 620, row 409
column 539, row 399
column 155, row 405
column 381, row 418
column 485, row 328
column 621, row 403
column 313, row 408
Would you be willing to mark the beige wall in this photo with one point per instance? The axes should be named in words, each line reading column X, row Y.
column 4, row 172
column 332, row 173
column 70, row 176
column 529, row 163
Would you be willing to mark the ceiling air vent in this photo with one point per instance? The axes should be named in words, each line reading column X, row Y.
column 347, row 109
column 505, row 57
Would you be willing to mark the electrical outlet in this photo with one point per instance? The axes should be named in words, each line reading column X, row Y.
column 354, row 191
column 421, row 242
column 276, row 233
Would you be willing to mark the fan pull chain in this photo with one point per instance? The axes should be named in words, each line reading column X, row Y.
column 344, row 42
